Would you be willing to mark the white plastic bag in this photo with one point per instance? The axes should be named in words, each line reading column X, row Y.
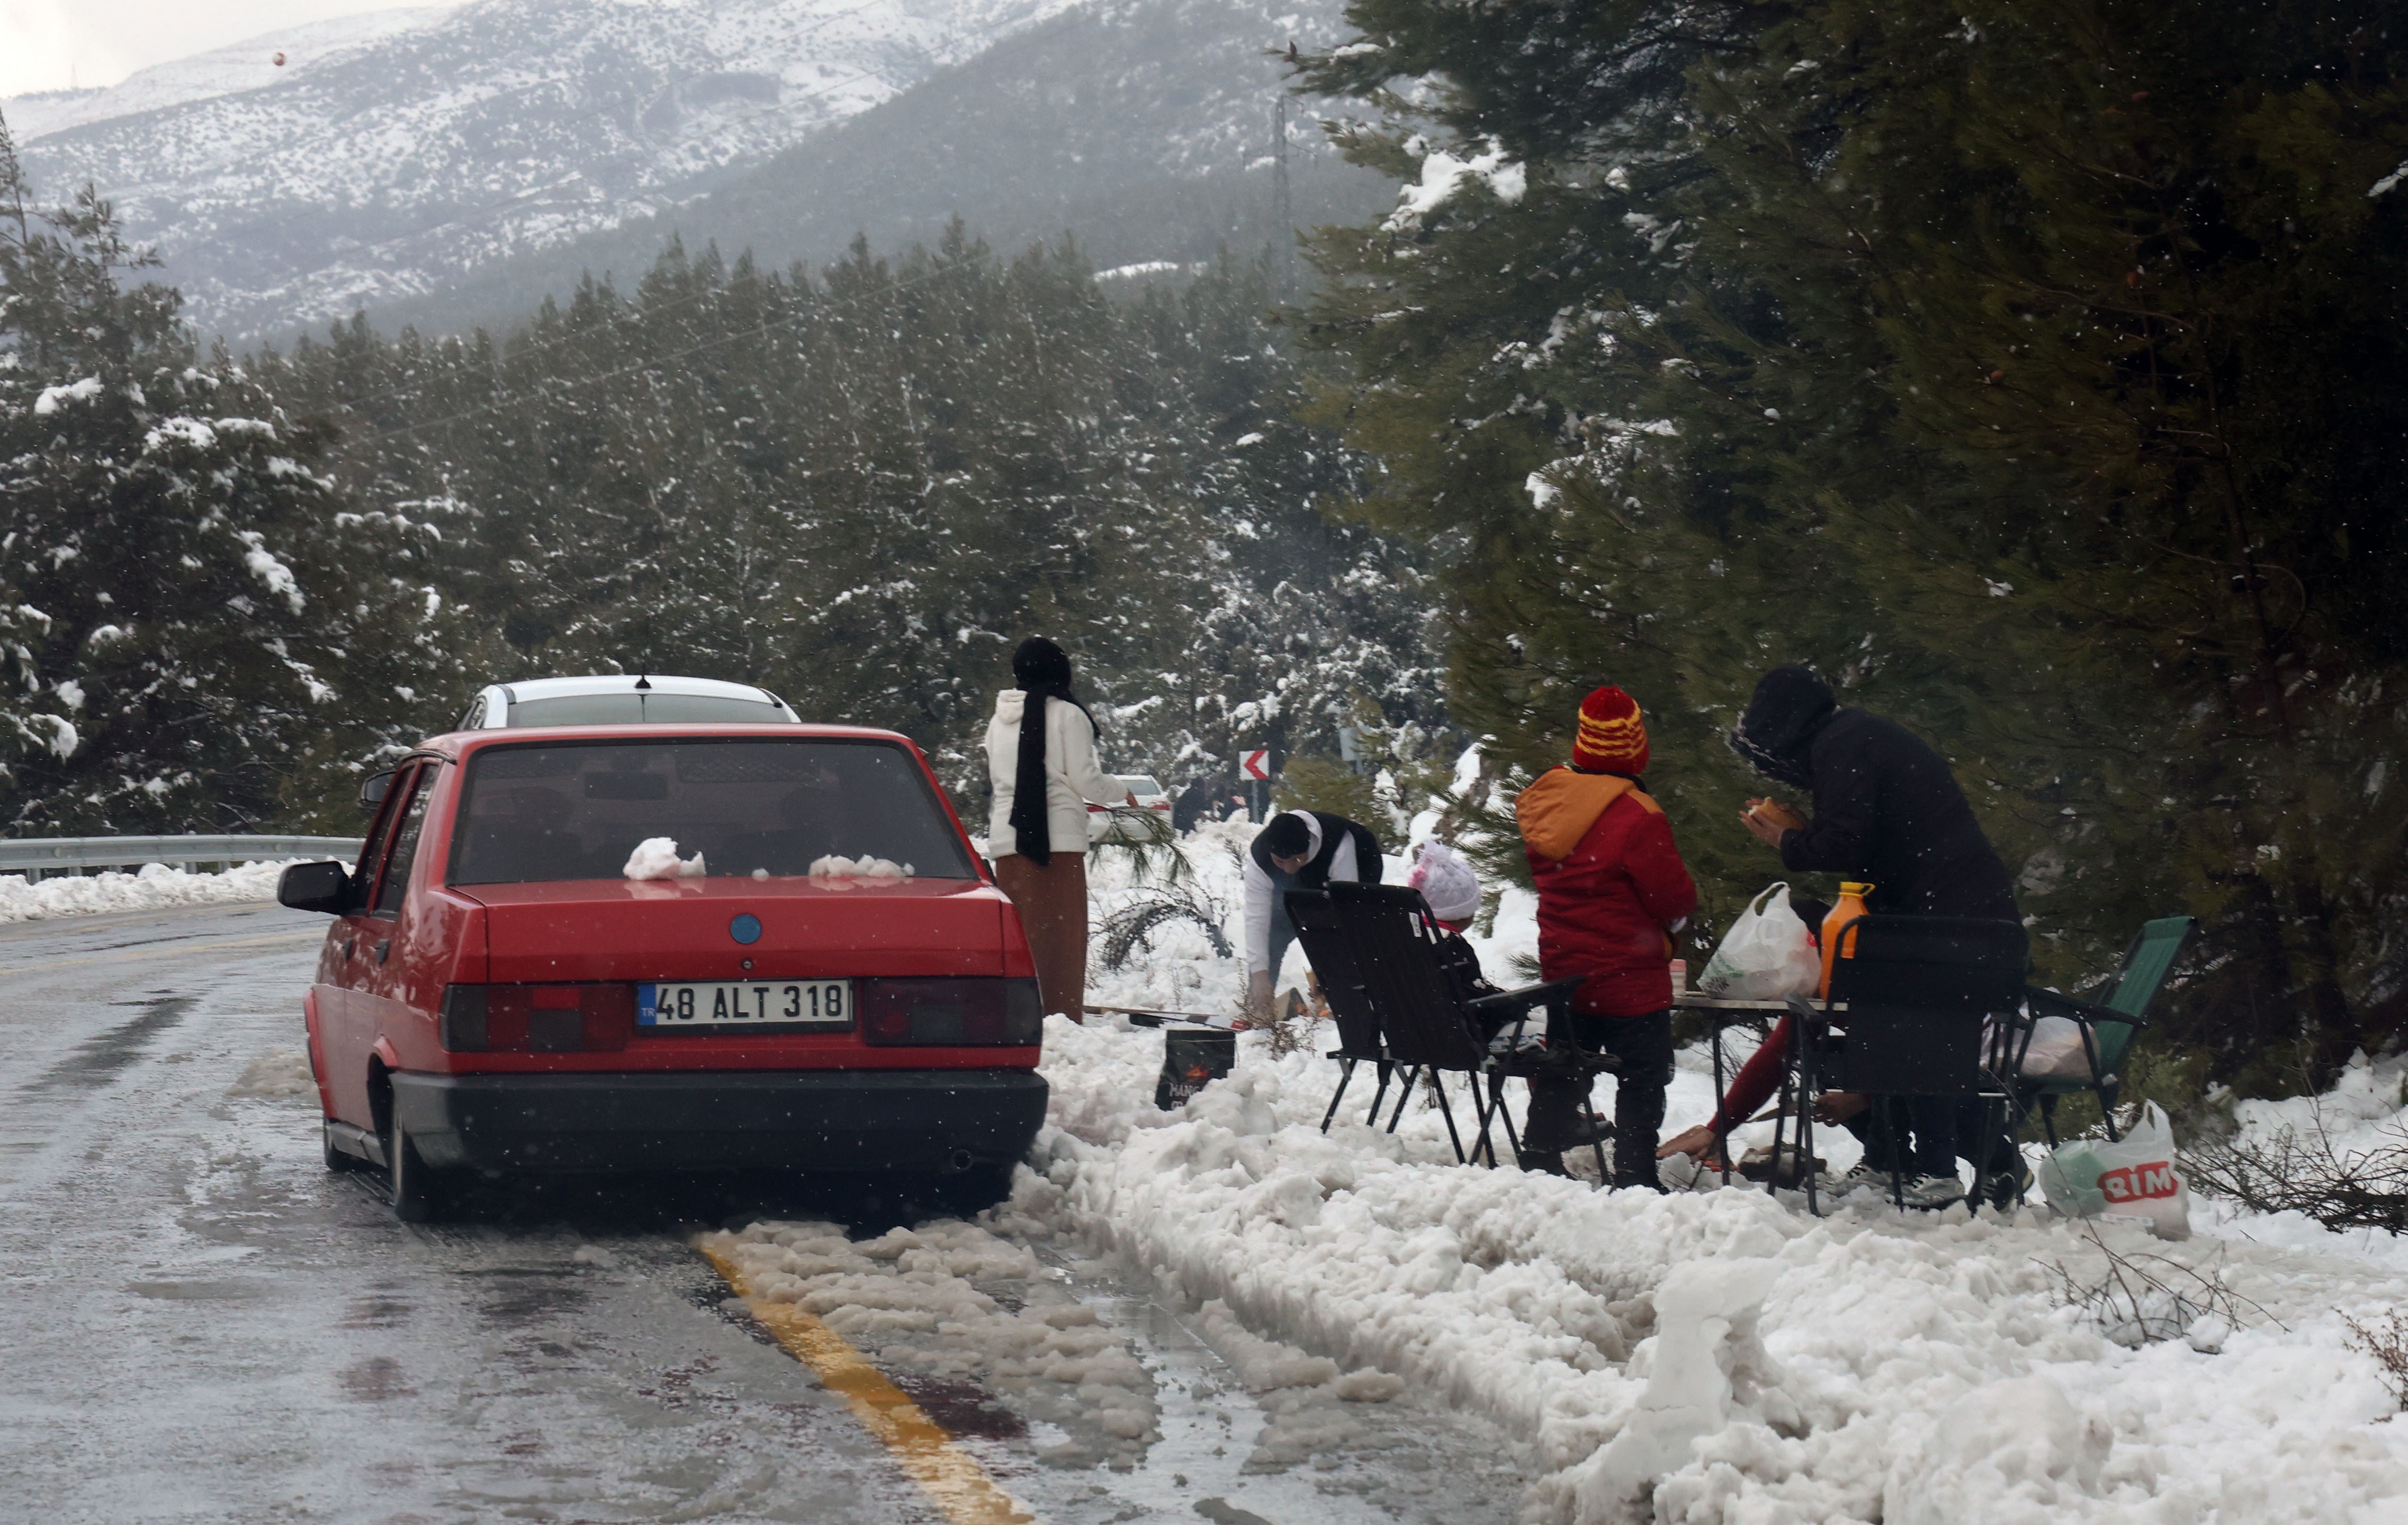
column 2132, row 1178
column 1766, row 955
column 2055, row 1052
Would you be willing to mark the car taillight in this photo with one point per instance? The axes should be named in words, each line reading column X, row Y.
column 960, row 1012
column 537, row 1018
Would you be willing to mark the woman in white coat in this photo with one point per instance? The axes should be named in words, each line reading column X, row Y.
column 1041, row 756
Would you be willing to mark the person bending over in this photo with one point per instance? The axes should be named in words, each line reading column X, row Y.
column 1611, row 891
column 1297, row 849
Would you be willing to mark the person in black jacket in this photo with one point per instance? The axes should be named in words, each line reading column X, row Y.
column 1296, row 848
column 1888, row 812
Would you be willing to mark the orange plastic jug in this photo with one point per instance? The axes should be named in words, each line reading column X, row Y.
column 1850, row 905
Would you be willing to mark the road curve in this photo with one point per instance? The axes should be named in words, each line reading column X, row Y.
column 204, row 1325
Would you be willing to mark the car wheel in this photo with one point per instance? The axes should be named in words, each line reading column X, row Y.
column 338, row 1161
column 418, row 1193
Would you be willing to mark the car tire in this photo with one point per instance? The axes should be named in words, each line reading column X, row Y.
column 418, row 1194
column 337, row 1162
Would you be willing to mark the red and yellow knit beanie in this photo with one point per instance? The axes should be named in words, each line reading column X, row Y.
column 1612, row 738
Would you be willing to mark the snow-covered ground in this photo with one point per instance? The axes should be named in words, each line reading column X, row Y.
column 2362, row 1115
column 155, row 887
column 1715, row 1354
column 1708, row 1355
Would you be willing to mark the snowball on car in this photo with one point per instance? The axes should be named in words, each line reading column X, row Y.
column 837, row 866
column 656, row 858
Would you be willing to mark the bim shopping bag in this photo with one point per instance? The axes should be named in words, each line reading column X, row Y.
column 1766, row 954
column 2132, row 1178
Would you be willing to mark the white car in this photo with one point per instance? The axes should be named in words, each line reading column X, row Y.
column 1114, row 824
column 620, row 698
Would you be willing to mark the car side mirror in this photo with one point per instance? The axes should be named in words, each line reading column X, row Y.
column 373, row 789
column 316, row 887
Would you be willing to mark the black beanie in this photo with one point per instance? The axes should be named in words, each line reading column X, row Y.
column 1285, row 835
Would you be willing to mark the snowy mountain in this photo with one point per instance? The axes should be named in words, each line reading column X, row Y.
column 1145, row 128
column 249, row 64
column 407, row 150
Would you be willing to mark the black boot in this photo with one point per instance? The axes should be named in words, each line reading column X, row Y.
column 1555, row 1109
column 1541, row 1162
column 1559, row 1117
column 1639, row 1117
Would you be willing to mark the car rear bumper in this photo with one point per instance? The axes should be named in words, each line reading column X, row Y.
column 833, row 1121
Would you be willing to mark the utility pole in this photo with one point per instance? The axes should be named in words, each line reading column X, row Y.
column 1282, row 216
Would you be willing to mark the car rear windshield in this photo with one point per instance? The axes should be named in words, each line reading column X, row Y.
column 638, row 708
column 576, row 810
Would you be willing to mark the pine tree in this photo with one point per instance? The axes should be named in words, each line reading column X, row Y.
column 2030, row 369
column 861, row 485
column 2135, row 313
column 202, row 633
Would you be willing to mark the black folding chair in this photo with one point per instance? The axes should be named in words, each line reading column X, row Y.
column 1431, row 1030
column 1332, row 958
column 1916, row 991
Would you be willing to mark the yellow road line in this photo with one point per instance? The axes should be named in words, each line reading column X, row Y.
column 950, row 1477
column 121, row 955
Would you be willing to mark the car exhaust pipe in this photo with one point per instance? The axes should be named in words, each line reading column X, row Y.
column 959, row 1162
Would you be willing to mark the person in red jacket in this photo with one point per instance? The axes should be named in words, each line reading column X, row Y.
column 1611, row 891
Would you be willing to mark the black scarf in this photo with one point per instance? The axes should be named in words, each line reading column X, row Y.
column 1043, row 669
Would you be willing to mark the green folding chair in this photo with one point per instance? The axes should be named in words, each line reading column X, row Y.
column 2108, row 1023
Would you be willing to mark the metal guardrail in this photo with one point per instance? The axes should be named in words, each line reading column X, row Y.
column 35, row 855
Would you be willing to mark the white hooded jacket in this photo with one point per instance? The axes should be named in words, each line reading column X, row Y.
column 1071, row 776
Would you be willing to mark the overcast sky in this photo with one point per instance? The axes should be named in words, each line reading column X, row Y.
column 49, row 44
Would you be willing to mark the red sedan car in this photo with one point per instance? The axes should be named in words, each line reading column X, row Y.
column 497, row 995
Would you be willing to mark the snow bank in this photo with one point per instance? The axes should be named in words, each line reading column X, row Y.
column 1713, row 1354
column 2366, row 1110
column 1708, row 1355
column 1717, row 1352
column 156, row 885
column 2366, row 1113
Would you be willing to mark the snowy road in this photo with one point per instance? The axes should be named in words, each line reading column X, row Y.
column 204, row 1325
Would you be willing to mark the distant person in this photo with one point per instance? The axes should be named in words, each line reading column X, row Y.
column 1297, row 849
column 1611, row 892
column 1888, row 813
column 1041, row 756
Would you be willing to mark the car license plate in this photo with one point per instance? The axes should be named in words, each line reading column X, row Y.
column 753, row 1003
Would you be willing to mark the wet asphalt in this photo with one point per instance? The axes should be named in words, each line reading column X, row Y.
column 198, row 1322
